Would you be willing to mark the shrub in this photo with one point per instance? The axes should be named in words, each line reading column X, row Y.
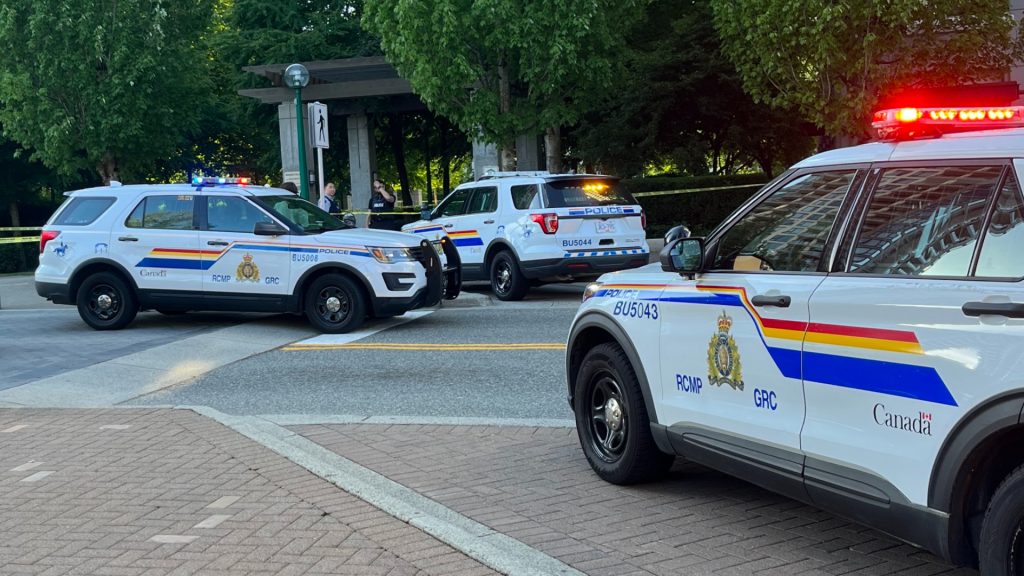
column 22, row 257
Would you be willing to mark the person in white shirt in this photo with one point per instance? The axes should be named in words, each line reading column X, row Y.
column 327, row 202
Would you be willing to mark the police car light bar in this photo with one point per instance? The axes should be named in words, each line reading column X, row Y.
column 905, row 123
column 214, row 180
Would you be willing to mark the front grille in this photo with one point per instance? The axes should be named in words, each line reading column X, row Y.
column 417, row 253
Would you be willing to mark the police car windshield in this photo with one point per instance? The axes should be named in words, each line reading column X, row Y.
column 302, row 214
column 583, row 192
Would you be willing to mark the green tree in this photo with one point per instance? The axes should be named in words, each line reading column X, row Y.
column 833, row 60
column 499, row 68
column 680, row 105
column 105, row 86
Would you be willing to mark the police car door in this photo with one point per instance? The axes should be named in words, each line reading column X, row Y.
column 451, row 214
column 478, row 227
column 235, row 259
column 731, row 339
column 158, row 242
column 918, row 322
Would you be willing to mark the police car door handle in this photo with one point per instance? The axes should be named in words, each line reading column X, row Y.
column 216, row 243
column 128, row 239
column 1008, row 309
column 488, row 221
column 449, row 225
column 780, row 301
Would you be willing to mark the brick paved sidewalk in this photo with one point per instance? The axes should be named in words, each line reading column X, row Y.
column 534, row 484
column 154, row 492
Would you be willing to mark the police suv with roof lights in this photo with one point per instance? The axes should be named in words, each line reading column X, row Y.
column 518, row 228
column 220, row 245
column 850, row 337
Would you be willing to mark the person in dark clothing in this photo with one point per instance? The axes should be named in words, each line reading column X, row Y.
column 381, row 200
column 327, row 202
column 291, row 187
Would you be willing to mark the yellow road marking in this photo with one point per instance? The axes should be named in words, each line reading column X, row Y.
column 428, row 347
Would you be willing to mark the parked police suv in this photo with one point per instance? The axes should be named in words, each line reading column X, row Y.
column 218, row 244
column 851, row 337
column 521, row 228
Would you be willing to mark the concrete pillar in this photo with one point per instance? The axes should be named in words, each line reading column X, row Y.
column 527, row 152
column 485, row 159
column 290, row 149
column 362, row 162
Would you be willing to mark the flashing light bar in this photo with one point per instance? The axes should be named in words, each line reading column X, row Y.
column 897, row 122
column 214, row 180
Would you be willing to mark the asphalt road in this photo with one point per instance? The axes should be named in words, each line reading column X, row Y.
column 420, row 368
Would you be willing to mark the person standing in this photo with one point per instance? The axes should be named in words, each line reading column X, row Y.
column 381, row 200
column 327, row 202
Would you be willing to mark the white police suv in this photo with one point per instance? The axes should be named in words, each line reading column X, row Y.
column 850, row 337
column 523, row 228
column 218, row 244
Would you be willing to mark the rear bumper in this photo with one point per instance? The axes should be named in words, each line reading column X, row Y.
column 56, row 293
column 582, row 266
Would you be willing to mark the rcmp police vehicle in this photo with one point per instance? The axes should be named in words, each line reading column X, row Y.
column 851, row 337
column 218, row 244
column 521, row 228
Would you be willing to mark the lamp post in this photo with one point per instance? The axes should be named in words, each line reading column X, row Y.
column 296, row 76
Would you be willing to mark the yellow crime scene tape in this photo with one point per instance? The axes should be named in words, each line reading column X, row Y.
column 21, row 229
column 20, row 240
column 689, row 190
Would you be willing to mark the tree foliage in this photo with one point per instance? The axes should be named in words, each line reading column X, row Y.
column 499, row 68
column 680, row 105
column 100, row 85
column 833, row 60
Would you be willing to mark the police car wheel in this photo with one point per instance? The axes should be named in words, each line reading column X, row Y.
column 335, row 304
column 507, row 281
column 612, row 421
column 1001, row 546
column 105, row 302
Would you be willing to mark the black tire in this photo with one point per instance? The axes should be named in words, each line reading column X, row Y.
column 1001, row 546
column 507, row 280
column 106, row 302
column 171, row 312
column 335, row 304
column 620, row 451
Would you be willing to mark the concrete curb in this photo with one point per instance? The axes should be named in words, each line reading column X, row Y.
column 316, row 419
column 494, row 549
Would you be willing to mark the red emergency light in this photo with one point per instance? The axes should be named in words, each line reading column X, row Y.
column 909, row 123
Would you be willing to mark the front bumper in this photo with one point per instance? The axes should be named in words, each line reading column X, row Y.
column 442, row 282
column 582, row 267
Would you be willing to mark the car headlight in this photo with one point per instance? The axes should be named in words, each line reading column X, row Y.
column 391, row 255
column 591, row 290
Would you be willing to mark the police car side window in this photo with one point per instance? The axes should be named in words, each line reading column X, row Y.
column 231, row 214
column 163, row 212
column 484, row 200
column 455, row 205
column 1001, row 253
column 924, row 221
column 787, row 231
column 523, row 196
column 83, row 211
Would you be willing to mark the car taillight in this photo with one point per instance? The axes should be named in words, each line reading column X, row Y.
column 643, row 220
column 46, row 237
column 548, row 222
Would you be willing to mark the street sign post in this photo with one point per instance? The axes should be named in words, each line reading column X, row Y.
column 319, row 134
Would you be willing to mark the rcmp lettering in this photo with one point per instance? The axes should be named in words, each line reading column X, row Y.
column 690, row 384
column 221, row 278
column 921, row 423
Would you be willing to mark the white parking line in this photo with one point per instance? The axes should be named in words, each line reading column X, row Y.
column 26, row 466
column 223, row 502
column 213, row 521
column 173, row 539
column 336, row 339
column 115, row 426
column 38, row 476
column 14, row 428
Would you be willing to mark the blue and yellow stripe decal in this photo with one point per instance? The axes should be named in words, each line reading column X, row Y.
column 175, row 259
column 891, row 378
column 463, row 238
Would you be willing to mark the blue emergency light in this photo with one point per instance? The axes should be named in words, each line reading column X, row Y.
column 215, row 180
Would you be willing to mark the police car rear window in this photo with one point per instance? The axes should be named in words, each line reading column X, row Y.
column 82, row 211
column 585, row 192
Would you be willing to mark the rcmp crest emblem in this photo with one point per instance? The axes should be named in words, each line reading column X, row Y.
column 723, row 357
column 247, row 271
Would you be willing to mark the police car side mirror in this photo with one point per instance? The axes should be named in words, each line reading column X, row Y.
column 269, row 229
column 683, row 255
column 349, row 220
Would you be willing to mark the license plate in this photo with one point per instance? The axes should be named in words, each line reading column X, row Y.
column 605, row 227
